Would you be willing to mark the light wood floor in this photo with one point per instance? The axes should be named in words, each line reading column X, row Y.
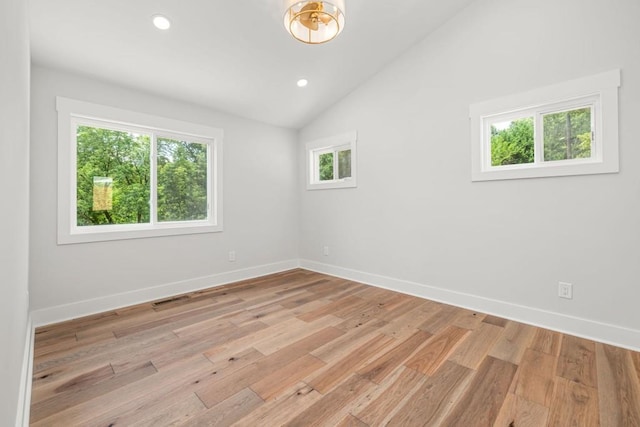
column 305, row 349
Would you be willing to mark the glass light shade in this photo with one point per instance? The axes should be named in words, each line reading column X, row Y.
column 314, row 22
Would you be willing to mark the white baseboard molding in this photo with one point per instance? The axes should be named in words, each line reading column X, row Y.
column 74, row 310
column 24, row 399
column 585, row 328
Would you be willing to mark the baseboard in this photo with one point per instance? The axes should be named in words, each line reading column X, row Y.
column 585, row 328
column 24, row 399
column 74, row 310
column 597, row 331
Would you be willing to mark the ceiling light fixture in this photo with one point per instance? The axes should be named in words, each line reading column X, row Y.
column 161, row 22
column 302, row 82
column 314, row 22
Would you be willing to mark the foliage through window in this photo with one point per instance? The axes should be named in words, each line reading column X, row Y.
column 182, row 180
column 331, row 162
column 334, row 164
column 565, row 135
column 573, row 135
column 137, row 180
column 113, row 176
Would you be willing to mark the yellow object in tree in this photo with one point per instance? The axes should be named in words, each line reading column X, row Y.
column 102, row 193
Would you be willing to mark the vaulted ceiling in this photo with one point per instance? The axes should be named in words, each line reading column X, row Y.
column 233, row 55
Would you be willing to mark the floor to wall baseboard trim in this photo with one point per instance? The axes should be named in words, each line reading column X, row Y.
column 24, row 399
column 585, row 328
column 74, row 310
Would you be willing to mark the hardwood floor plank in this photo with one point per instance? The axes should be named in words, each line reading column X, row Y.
column 78, row 389
column 577, row 361
column 468, row 319
column 176, row 320
column 536, row 377
column 378, row 411
column 108, row 407
column 618, row 387
column 475, row 347
column 574, row 405
column 214, row 392
column 245, row 316
column 395, row 308
column 246, row 341
column 102, row 352
column 379, row 368
column 165, row 355
column 402, row 327
column 364, row 317
column 547, row 341
column 162, row 415
column 49, row 384
column 72, row 394
column 351, row 421
column 351, row 339
column 279, row 380
column 274, row 342
column 283, row 408
column 334, row 373
column 439, row 320
column 432, row 355
column 324, row 410
column 432, row 401
column 53, row 346
column 496, row 321
column 520, row 412
column 513, row 342
column 331, row 308
column 228, row 411
column 635, row 356
column 481, row 403
column 298, row 300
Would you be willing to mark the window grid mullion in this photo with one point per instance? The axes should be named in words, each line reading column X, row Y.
column 538, row 139
column 153, row 191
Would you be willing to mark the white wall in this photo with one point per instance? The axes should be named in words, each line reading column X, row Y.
column 14, row 210
column 260, row 215
column 417, row 218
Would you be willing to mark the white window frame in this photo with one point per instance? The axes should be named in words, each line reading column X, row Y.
column 72, row 113
column 334, row 144
column 598, row 92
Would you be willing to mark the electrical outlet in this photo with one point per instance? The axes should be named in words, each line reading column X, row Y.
column 232, row 256
column 565, row 290
column 325, row 251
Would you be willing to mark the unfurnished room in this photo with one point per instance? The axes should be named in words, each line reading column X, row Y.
column 320, row 213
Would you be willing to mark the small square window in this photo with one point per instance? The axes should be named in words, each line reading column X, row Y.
column 331, row 162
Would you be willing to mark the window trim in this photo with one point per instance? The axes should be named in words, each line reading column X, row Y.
column 72, row 112
column 333, row 144
column 598, row 91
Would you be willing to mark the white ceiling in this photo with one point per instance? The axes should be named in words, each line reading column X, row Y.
column 233, row 55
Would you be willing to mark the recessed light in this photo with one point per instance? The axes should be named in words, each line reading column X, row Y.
column 161, row 22
column 302, row 82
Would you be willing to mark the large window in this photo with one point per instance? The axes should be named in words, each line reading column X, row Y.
column 128, row 175
column 331, row 162
column 566, row 129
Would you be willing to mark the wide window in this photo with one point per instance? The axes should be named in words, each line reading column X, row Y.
column 566, row 129
column 331, row 162
column 129, row 175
